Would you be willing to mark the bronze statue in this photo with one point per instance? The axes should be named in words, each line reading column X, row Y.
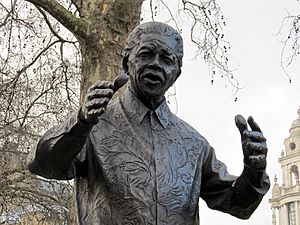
column 134, row 161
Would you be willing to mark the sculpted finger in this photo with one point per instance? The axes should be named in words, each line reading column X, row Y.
column 97, row 103
column 241, row 123
column 101, row 84
column 257, row 147
column 254, row 126
column 253, row 135
column 96, row 112
column 99, row 93
column 258, row 161
column 120, row 81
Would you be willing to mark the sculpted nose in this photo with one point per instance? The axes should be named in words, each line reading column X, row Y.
column 155, row 63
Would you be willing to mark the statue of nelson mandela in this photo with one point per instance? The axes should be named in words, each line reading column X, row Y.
column 134, row 161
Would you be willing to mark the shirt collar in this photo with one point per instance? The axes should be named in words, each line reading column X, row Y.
column 136, row 110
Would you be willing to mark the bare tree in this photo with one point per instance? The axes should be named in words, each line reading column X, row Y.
column 38, row 87
column 290, row 27
column 51, row 51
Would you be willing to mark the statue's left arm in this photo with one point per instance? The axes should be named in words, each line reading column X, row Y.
column 238, row 196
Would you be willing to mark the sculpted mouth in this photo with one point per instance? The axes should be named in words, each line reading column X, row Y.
column 153, row 78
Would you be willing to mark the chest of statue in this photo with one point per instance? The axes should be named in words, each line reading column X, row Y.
column 149, row 171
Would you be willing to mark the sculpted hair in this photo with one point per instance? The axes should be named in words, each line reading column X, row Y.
column 163, row 29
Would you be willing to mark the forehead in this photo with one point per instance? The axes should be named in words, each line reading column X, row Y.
column 166, row 42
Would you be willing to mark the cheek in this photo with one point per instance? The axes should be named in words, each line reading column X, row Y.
column 172, row 74
column 136, row 67
column 133, row 71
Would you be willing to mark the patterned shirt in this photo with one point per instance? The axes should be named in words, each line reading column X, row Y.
column 143, row 167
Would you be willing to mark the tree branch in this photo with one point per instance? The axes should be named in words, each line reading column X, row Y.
column 78, row 5
column 8, row 15
column 77, row 26
column 35, row 59
column 50, row 26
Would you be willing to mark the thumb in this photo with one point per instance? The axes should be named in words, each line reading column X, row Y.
column 241, row 123
column 120, row 81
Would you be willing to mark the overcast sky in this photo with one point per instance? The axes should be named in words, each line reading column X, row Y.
column 267, row 95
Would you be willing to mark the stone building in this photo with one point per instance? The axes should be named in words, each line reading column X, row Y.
column 285, row 201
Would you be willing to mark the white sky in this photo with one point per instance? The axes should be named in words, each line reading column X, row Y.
column 267, row 95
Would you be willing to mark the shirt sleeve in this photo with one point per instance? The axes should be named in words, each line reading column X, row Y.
column 238, row 196
column 61, row 151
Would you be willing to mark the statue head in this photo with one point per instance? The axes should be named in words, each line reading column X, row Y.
column 155, row 29
column 153, row 58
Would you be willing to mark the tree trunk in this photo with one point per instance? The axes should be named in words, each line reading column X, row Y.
column 101, row 29
column 102, row 48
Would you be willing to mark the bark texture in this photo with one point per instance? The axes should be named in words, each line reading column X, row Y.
column 101, row 28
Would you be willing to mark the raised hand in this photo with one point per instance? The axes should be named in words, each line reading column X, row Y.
column 97, row 98
column 253, row 143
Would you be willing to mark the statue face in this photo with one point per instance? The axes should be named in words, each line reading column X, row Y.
column 153, row 66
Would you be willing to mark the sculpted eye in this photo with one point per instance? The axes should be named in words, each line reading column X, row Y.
column 168, row 60
column 145, row 54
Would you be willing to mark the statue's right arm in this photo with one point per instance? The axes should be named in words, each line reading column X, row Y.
column 61, row 150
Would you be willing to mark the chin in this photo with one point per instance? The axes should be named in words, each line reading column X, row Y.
column 147, row 90
column 153, row 93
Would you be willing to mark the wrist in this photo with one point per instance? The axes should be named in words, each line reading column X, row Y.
column 254, row 175
column 85, row 121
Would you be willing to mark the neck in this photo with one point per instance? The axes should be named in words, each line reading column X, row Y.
column 150, row 102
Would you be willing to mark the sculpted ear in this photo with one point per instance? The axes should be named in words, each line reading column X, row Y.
column 125, row 63
column 179, row 72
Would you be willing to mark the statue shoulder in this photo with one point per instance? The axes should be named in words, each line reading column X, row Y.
column 188, row 130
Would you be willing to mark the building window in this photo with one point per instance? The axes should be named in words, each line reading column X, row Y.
column 292, row 213
column 294, row 175
column 292, row 146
